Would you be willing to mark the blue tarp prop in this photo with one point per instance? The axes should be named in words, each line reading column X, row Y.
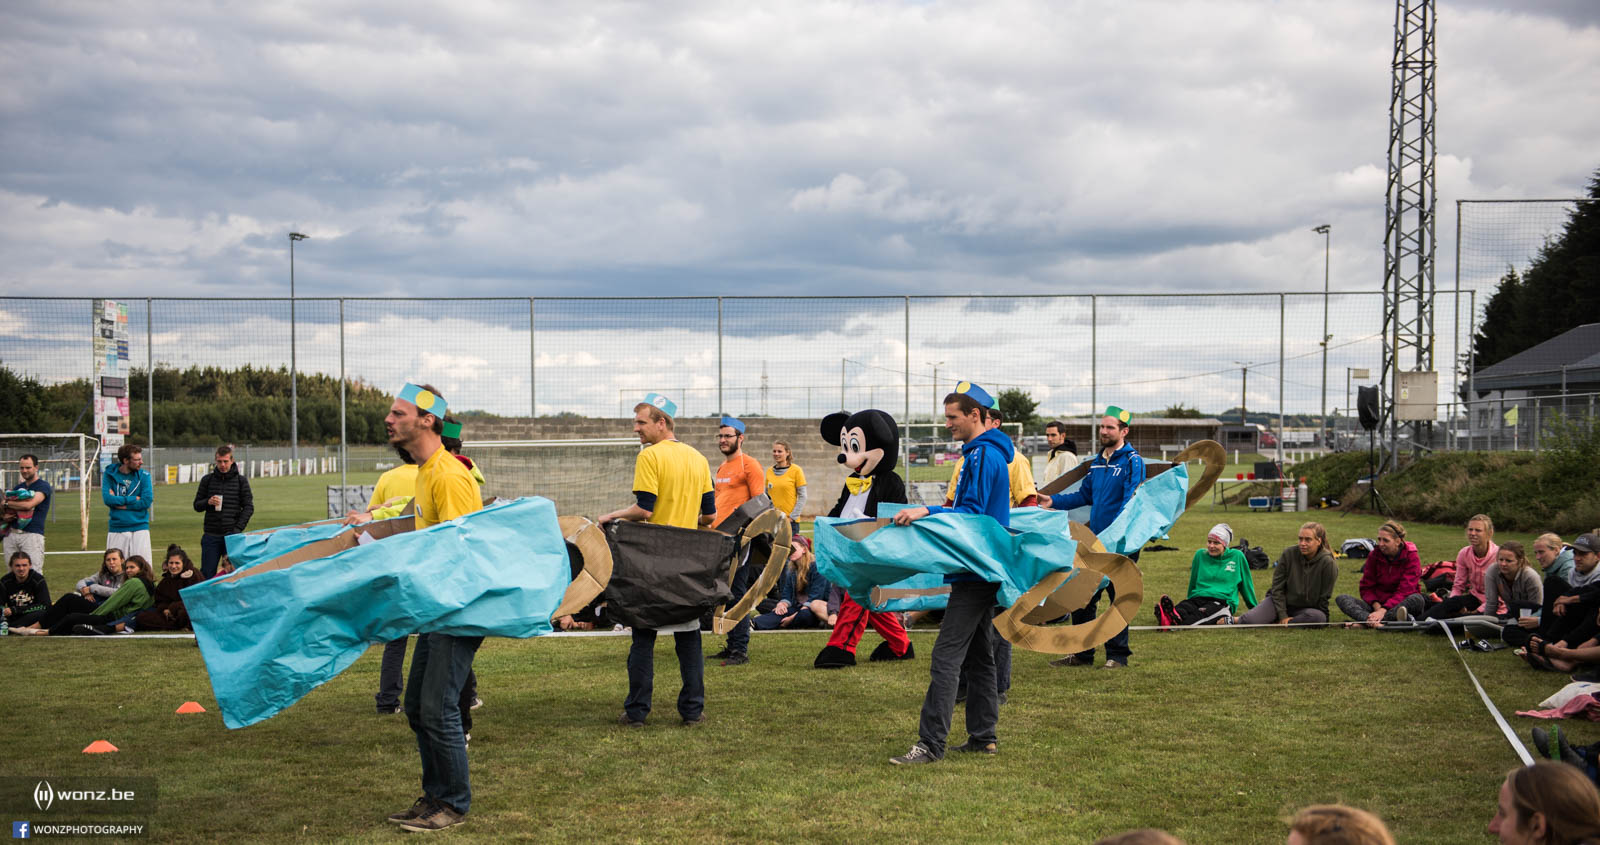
column 940, row 545
column 271, row 634
column 249, row 549
column 1152, row 511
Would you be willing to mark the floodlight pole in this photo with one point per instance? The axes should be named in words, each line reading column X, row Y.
column 938, row 407
column 1324, row 230
column 294, row 382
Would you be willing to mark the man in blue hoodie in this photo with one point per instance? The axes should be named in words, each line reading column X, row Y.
column 127, row 491
column 1113, row 476
column 964, row 635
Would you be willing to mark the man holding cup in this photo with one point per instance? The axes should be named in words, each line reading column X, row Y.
column 224, row 497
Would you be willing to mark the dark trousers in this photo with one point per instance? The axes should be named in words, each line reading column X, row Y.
column 390, row 687
column 1455, row 606
column 642, row 672
column 64, row 625
column 212, row 548
column 739, row 637
column 1554, row 588
column 1002, row 663
column 963, row 644
column 67, row 605
column 439, row 670
column 1117, row 648
column 1196, row 608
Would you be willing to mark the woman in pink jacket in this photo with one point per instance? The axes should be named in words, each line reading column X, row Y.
column 1391, row 582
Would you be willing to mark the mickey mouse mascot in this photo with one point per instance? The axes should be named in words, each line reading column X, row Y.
column 869, row 444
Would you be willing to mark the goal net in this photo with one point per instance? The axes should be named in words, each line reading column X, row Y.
column 67, row 464
column 582, row 477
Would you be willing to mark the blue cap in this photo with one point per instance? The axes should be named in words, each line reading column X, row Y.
column 662, row 404
column 977, row 393
column 733, row 423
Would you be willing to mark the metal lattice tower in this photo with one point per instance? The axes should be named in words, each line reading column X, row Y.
column 1408, row 284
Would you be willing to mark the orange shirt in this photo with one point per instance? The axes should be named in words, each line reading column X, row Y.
column 738, row 480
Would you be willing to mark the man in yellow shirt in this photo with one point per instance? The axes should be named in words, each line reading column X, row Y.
column 671, row 486
column 439, row 668
column 394, row 490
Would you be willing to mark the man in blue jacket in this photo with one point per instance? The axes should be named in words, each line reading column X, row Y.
column 964, row 635
column 1113, row 476
column 127, row 491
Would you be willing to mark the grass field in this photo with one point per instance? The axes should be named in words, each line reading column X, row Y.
column 1215, row 735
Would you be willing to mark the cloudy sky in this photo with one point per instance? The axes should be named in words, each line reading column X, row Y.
column 594, row 148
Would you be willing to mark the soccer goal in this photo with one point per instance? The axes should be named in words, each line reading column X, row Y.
column 582, row 477
column 66, row 463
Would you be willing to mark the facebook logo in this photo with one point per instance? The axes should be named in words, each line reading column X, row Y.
column 19, row 830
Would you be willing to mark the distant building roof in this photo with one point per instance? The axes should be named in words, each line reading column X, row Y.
column 1577, row 350
column 1138, row 420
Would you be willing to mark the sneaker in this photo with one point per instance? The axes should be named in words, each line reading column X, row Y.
column 722, row 655
column 476, row 703
column 1072, row 660
column 1401, row 614
column 917, row 755
column 696, row 721
column 1113, row 664
column 422, row 805
column 737, row 658
column 1166, row 613
column 973, row 746
column 390, row 710
column 629, row 722
column 88, row 630
column 437, row 817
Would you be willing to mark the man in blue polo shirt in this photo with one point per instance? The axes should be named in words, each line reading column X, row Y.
column 964, row 635
column 1113, row 476
column 29, row 538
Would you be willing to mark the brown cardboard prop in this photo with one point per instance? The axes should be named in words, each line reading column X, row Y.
column 1092, row 559
column 590, row 541
column 772, row 523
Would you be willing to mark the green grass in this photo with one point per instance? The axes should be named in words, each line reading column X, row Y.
column 1214, row 735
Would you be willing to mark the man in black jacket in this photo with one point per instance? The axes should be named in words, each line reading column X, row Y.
column 224, row 497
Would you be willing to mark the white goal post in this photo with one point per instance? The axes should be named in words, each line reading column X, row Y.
column 66, row 463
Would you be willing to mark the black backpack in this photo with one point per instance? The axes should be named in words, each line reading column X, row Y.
column 1253, row 555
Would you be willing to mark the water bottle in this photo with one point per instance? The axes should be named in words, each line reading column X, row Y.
column 5, row 627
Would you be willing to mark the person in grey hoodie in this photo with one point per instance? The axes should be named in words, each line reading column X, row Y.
column 1302, row 583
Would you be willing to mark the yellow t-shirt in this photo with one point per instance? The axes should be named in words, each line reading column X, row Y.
column 679, row 477
column 445, row 490
column 1022, row 485
column 785, row 489
column 400, row 481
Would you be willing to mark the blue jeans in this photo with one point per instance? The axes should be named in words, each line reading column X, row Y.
column 212, row 548
column 1117, row 647
column 439, row 668
column 963, row 645
column 642, row 673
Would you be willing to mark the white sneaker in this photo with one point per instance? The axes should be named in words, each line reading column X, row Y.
column 916, row 755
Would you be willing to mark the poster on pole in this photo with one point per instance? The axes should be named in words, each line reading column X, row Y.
column 111, row 370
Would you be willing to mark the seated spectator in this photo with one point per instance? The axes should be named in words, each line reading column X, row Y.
column 99, row 586
column 134, row 594
column 1390, row 581
column 1467, row 593
column 166, row 612
column 1302, row 582
column 1512, row 584
column 90, row 592
column 1218, row 576
column 1336, row 824
column 26, row 596
column 1547, row 802
column 1554, row 557
column 1568, row 612
column 802, row 594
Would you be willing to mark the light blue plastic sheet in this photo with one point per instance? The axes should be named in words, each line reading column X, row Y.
column 940, row 545
column 249, row 549
column 270, row 637
column 1151, row 513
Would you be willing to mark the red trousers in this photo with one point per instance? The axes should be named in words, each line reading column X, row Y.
column 853, row 622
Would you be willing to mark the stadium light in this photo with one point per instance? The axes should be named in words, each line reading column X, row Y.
column 294, row 386
column 1324, row 230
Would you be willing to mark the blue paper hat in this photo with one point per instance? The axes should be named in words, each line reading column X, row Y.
column 733, row 423
column 977, row 393
column 426, row 400
column 662, row 404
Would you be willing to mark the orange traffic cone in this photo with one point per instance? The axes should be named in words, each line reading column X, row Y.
column 99, row 746
column 190, row 707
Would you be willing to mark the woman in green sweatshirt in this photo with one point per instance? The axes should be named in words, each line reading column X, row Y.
column 136, row 593
column 1217, row 577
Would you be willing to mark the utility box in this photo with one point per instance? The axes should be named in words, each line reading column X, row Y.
column 1417, row 397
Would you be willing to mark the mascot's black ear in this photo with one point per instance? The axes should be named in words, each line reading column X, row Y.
column 884, row 433
column 832, row 424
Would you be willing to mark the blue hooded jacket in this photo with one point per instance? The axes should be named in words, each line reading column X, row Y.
column 134, row 493
column 1107, row 488
column 985, row 485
